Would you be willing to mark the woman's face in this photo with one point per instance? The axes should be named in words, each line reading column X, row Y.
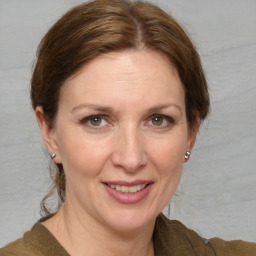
column 121, row 135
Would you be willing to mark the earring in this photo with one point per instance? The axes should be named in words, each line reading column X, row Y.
column 53, row 155
column 187, row 155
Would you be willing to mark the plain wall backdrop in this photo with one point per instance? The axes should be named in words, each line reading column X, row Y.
column 217, row 196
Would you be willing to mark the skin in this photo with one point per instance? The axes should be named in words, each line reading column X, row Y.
column 126, row 142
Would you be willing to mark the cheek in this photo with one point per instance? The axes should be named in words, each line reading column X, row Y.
column 167, row 158
column 168, row 154
column 83, row 155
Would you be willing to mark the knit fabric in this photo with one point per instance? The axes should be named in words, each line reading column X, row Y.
column 171, row 238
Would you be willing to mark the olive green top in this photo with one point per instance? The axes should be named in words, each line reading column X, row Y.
column 171, row 238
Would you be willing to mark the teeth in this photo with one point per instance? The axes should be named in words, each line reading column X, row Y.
column 124, row 189
column 128, row 189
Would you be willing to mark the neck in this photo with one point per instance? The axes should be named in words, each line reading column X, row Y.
column 83, row 235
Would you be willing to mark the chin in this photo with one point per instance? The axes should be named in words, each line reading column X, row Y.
column 131, row 220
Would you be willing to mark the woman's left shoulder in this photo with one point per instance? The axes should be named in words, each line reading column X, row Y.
column 172, row 233
column 235, row 247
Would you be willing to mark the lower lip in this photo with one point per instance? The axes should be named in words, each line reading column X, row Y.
column 129, row 198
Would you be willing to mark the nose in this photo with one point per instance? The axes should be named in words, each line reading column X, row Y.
column 129, row 154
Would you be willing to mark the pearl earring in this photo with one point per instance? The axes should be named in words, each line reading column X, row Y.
column 53, row 155
column 187, row 155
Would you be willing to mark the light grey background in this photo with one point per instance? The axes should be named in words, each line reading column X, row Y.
column 218, row 193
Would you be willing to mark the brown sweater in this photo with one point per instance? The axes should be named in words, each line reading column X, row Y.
column 171, row 238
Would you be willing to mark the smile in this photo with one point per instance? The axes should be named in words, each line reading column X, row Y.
column 128, row 192
column 127, row 189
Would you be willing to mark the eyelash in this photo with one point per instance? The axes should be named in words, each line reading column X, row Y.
column 87, row 119
column 168, row 119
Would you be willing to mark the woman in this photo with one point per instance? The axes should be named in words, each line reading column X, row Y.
column 118, row 92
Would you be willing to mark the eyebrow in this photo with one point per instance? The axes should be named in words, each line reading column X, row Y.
column 110, row 109
column 164, row 106
column 92, row 106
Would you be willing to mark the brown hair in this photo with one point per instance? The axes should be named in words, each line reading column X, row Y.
column 101, row 26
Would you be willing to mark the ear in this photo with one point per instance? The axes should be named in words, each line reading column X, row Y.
column 192, row 135
column 48, row 134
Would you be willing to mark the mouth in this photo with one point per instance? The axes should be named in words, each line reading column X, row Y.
column 127, row 189
column 128, row 192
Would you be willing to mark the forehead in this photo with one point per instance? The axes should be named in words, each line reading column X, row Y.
column 131, row 60
column 135, row 75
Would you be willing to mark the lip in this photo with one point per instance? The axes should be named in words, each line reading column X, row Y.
column 128, row 198
column 128, row 183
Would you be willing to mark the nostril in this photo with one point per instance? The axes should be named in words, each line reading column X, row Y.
column 129, row 161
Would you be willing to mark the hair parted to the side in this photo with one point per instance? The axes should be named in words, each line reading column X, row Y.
column 102, row 26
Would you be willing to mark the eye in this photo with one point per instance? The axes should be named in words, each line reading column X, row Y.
column 160, row 121
column 95, row 121
column 157, row 120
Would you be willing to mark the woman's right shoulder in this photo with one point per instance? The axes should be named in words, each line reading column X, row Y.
column 22, row 246
column 36, row 242
column 17, row 247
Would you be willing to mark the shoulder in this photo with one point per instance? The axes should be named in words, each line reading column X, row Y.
column 13, row 248
column 23, row 246
column 235, row 247
column 18, row 247
column 36, row 242
column 172, row 233
column 171, row 237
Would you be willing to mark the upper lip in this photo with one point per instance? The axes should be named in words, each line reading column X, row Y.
column 128, row 183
